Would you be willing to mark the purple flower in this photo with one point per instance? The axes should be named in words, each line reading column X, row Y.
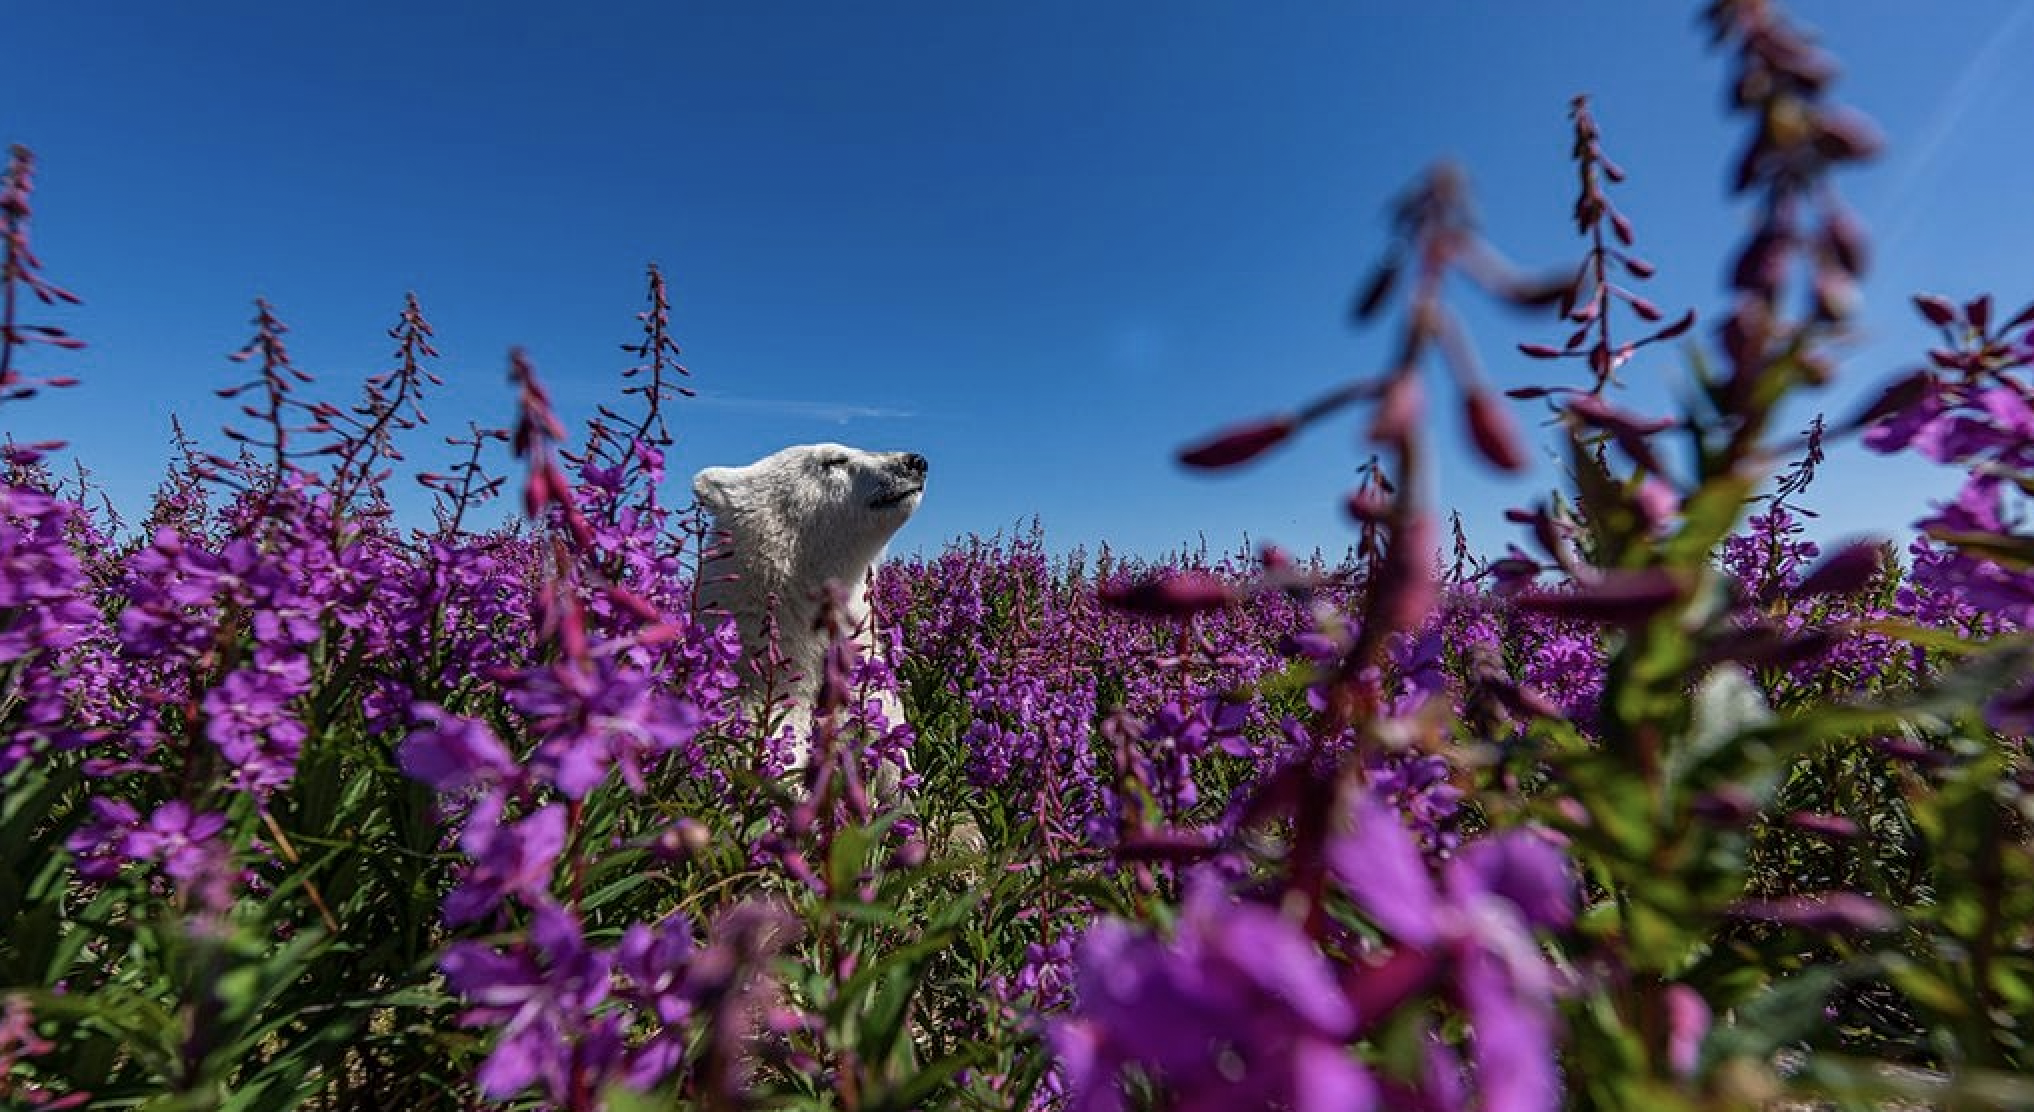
column 654, row 958
column 542, row 995
column 452, row 753
column 615, row 715
column 1477, row 927
column 514, row 859
column 99, row 845
column 1240, row 1010
column 178, row 838
column 248, row 717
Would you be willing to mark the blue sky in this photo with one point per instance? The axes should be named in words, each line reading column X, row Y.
column 1042, row 244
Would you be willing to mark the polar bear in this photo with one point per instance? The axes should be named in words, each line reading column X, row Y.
column 791, row 521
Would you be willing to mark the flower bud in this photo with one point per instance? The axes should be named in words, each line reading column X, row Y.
column 1171, row 596
column 1238, row 444
column 1843, row 912
column 1978, row 311
column 1848, row 570
column 1491, row 427
column 1939, row 311
column 1621, row 598
column 1828, row 826
column 1680, row 326
column 1368, row 506
column 1843, row 135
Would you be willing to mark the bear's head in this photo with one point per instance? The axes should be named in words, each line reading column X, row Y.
column 813, row 511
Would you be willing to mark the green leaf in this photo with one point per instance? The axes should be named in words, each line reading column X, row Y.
column 920, row 1089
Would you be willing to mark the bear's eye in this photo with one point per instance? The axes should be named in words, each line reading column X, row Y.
column 834, row 461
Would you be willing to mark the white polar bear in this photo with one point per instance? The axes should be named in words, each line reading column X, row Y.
column 791, row 521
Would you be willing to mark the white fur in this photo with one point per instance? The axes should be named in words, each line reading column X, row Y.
column 792, row 521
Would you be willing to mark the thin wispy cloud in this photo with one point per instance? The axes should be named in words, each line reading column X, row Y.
column 1903, row 199
column 839, row 413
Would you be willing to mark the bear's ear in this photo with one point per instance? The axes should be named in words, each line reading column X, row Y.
column 712, row 487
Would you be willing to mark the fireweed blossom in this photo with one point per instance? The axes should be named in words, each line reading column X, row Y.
column 19, row 1047
column 508, row 860
column 45, row 614
column 179, row 838
column 184, row 845
column 543, row 995
column 1472, row 931
column 99, row 845
column 1238, row 1010
column 454, row 753
column 613, row 715
column 248, row 717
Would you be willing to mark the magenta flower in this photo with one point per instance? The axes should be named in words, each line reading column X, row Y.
column 1474, row 932
column 614, row 716
column 543, row 996
column 99, row 845
column 179, row 838
column 452, row 753
column 248, row 717
column 1240, row 1010
column 513, row 859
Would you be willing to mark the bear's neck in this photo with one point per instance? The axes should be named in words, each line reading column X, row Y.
column 753, row 590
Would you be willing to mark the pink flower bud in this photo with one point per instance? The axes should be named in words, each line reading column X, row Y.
column 1846, row 242
column 1939, row 311
column 1368, row 506
column 1848, row 570
column 1657, row 502
column 1171, row 596
column 1978, row 311
column 1680, row 326
column 1829, row 826
column 1843, row 912
column 1239, row 444
column 1491, row 427
column 1845, row 135
column 1619, row 598
column 1688, row 1018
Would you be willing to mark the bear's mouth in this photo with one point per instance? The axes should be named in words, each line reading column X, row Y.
column 896, row 497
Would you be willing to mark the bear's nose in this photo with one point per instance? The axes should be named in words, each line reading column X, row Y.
column 915, row 463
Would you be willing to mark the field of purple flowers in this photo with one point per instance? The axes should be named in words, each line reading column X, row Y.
column 1664, row 807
